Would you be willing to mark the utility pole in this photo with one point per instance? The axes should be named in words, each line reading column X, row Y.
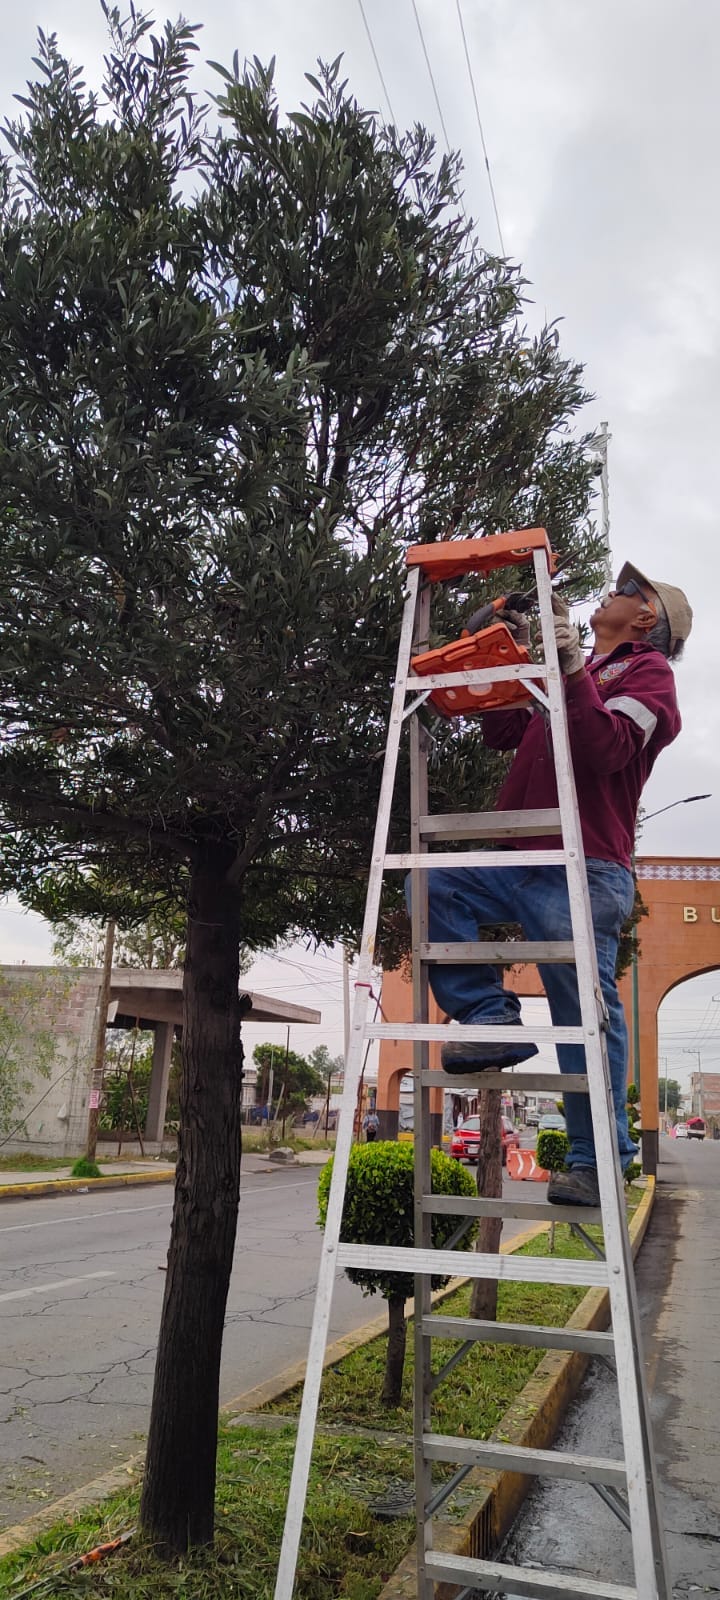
column 285, row 1081
column 701, row 1095
column 346, row 1000
column 96, row 1078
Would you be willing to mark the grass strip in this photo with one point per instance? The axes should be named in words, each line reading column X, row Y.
column 474, row 1397
column 31, row 1163
column 346, row 1553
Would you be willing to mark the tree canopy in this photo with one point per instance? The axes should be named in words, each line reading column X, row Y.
column 246, row 357
column 222, row 418
column 294, row 1079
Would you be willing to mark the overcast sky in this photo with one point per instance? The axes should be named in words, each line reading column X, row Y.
column 603, row 130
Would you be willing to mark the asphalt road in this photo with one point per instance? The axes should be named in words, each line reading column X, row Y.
column 81, row 1285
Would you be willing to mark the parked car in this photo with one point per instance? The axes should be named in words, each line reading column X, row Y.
column 551, row 1122
column 680, row 1130
column 465, row 1142
column 695, row 1128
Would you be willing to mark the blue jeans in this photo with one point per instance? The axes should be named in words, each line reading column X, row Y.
column 463, row 899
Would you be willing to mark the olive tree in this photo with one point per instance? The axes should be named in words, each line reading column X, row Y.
column 246, row 357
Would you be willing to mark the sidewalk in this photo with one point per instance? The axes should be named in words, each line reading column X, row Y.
column 678, row 1275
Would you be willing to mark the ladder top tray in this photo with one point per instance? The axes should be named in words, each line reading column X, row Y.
column 452, row 558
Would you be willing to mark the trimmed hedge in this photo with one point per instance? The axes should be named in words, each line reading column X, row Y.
column 552, row 1148
column 379, row 1207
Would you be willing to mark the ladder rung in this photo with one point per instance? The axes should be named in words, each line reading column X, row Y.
column 473, row 1264
column 475, row 1033
column 410, row 860
column 530, row 1334
column 456, row 1205
column 511, row 1078
column 518, row 1458
column 490, row 824
column 534, row 1582
column 470, row 676
column 506, row 953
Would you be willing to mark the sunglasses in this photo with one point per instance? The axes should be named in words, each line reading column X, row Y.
column 631, row 588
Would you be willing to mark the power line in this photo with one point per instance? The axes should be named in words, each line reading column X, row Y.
column 480, row 126
column 376, row 59
column 432, row 76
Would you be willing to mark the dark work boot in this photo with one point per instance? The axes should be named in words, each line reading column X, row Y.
column 578, row 1187
column 467, row 1056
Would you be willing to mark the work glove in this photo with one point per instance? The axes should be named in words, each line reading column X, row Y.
column 567, row 638
column 519, row 626
column 516, row 621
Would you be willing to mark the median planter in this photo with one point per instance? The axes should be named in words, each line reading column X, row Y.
column 347, row 1551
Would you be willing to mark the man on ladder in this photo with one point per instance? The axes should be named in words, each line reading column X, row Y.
column 622, row 711
column 618, row 725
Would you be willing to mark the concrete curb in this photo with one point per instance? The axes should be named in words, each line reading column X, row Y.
column 129, row 1472
column 123, row 1180
column 532, row 1420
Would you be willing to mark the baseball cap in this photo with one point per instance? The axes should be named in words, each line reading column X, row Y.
column 676, row 605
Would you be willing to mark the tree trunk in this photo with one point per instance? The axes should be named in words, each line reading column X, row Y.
column 178, row 1499
column 483, row 1298
column 395, row 1363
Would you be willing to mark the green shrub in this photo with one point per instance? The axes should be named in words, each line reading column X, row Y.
column 552, row 1148
column 379, row 1207
column 379, row 1210
column 85, row 1169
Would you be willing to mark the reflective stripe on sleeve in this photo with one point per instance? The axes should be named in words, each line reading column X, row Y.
column 636, row 711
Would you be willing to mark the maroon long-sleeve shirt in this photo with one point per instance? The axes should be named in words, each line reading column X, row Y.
column 621, row 714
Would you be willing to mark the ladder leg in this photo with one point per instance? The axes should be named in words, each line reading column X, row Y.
column 650, row 1559
column 422, row 1388
column 297, row 1494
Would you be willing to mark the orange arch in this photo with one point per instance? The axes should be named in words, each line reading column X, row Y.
column 679, row 939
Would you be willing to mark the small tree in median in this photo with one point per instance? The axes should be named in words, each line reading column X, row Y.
column 552, row 1148
column 379, row 1210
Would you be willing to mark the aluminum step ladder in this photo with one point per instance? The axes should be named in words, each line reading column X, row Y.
column 628, row 1485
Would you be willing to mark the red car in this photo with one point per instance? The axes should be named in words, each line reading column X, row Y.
column 465, row 1142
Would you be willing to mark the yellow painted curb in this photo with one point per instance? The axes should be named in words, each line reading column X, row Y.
column 533, row 1420
column 123, row 1180
column 71, row 1505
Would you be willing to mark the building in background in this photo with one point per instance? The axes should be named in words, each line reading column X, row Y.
column 50, row 1016
column 705, row 1094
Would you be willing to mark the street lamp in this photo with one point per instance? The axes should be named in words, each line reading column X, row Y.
column 687, row 800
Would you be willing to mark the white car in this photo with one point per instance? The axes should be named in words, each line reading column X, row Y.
column 680, row 1130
